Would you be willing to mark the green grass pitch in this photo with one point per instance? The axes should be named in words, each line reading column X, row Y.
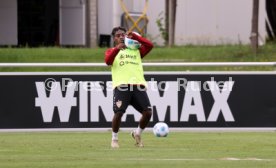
column 178, row 150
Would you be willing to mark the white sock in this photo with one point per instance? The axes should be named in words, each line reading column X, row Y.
column 114, row 135
column 139, row 131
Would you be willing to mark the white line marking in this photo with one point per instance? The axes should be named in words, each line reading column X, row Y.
column 149, row 129
column 166, row 159
column 248, row 159
column 189, row 159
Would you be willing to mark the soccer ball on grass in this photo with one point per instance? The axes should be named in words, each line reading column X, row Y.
column 161, row 129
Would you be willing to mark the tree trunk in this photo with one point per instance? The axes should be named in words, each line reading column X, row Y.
column 172, row 16
column 271, row 19
column 167, row 22
column 254, row 28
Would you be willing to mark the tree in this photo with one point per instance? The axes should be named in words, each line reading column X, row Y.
column 171, row 21
column 271, row 19
column 254, row 28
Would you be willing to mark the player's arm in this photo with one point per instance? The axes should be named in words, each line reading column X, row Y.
column 146, row 45
column 110, row 55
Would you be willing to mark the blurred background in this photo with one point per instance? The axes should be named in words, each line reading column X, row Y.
column 88, row 23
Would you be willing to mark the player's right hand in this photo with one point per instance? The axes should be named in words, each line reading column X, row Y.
column 121, row 46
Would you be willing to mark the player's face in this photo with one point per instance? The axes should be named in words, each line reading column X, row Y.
column 119, row 36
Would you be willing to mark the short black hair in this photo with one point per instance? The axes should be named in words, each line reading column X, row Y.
column 115, row 29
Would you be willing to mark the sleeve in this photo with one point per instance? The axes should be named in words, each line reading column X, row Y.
column 146, row 45
column 110, row 55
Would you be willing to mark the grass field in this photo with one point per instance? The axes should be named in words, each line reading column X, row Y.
column 223, row 53
column 178, row 150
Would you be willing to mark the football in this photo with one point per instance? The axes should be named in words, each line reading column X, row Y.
column 161, row 129
column 132, row 44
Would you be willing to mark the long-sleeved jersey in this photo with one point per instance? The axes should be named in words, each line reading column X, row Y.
column 145, row 48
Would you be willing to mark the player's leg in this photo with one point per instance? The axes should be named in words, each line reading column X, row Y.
column 145, row 118
column 121, row 99
column 116, row 121
column 141, row 103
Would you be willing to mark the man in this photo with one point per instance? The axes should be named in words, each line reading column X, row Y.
column 128, row 81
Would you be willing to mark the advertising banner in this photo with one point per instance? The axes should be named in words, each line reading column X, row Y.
column 181, row 99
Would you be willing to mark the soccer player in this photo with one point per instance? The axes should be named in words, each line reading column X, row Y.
column 128, row 81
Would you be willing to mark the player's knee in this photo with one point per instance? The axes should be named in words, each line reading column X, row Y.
column 147, row 113
column 119, row 114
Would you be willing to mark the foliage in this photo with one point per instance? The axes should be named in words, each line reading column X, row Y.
column 160, row 21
